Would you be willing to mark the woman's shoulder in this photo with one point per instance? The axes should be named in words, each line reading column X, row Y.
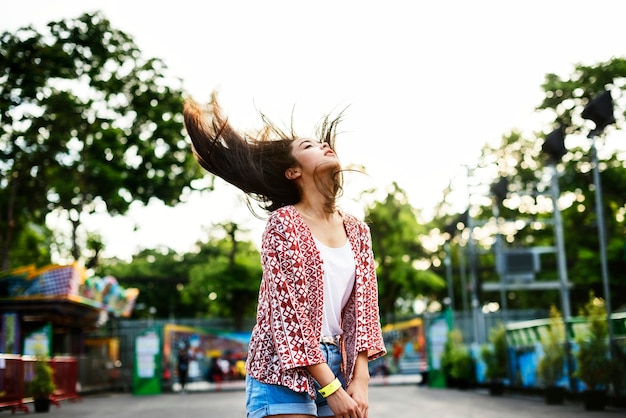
column 352, row 220
column 281, row 214
column 281, row 218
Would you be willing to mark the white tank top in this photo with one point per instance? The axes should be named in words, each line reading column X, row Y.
column 339, row 275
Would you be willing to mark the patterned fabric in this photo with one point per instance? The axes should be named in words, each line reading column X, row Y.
column 289, row 315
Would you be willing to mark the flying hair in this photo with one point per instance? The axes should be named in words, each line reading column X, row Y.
column 255, row 164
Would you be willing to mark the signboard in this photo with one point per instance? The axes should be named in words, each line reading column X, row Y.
column 10, row 332
column 147, row 364
column 437, row 337
column 37, row 343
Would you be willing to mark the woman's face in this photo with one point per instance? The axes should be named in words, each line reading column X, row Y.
column 313, row 155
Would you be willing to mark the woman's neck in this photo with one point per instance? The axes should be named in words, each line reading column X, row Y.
column 326, row 226
column 317, row 209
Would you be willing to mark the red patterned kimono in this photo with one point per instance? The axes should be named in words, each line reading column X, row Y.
column 289, row 317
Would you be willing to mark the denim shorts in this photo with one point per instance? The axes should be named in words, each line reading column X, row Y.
column 263, row 399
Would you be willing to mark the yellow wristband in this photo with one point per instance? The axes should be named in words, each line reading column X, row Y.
column 330, row 388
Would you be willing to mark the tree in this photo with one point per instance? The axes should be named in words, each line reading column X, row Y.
column 219, row 280
column 86, row 125
column 565, row 97
column 399, row 253
column 159, row 274
column 32, row 246
column 527, row 208
column 565, row 100
column 227, row 284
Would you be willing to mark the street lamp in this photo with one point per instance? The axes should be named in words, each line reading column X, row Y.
column 499, row 190
column 554, row 148
column 452, row 229
column 600, row 111
column 448, row 263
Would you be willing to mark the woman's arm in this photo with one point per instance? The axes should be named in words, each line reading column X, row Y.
column 358, row 389
column 340, row 401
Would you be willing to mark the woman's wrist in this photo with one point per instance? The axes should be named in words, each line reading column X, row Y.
column 330, row 388
column 361, row 377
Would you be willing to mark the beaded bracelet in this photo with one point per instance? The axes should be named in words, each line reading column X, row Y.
column 330, row 388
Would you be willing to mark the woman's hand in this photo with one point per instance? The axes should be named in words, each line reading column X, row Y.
column 358, row 391
column 344, row 406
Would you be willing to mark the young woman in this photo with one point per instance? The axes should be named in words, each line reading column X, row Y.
column 317, row 317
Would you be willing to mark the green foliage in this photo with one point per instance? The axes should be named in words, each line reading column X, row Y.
column 42, row 384
column 551, row 364
column 396, row 243
column 528, row 210
column 231, row 278
column 496, row 355
column 456, row 360
column 31, row 246
column 158, row 274
column 575, row 90
column 85, row 123
column 593, row 362
column 221, row 279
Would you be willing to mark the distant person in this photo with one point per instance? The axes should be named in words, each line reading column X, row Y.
column 396, row 353
column 183, row 368
column 215, row 373
column 383, row 370
column 318, row 297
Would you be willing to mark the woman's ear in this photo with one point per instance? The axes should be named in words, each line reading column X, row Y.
column 292, row 173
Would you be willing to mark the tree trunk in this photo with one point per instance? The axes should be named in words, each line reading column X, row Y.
column 10, row 221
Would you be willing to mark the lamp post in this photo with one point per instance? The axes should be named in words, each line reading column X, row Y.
column 452, row 229
column 554, row 147
column 474, row 285
column 600, row 111
column 499, row 191
column 448, row 262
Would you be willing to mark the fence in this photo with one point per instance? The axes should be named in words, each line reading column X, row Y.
column 65, row 371
column 16, row 373
column 127, row 330
column 525, row 349
column 12, row 383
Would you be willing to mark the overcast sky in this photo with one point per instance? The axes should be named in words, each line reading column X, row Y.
column 427, row 84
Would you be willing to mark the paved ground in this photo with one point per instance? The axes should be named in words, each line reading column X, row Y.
column 386, row 401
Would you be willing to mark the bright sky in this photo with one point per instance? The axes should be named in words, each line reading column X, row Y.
column 427, row 83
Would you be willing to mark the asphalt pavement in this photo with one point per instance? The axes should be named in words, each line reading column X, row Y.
column 391, row 400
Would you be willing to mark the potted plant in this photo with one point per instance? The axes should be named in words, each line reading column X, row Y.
column 551, row 365
column 618, row 373
column 592, row 357
column 457, row 362
column 42, row 385
column 495, row 358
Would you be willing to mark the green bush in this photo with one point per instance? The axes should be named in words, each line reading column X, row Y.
column 495, row 356
column 42, row 385
column 593, row 362
column 456, row 360
column 551, row 365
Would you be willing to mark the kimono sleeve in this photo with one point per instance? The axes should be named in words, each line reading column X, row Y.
column 287, row 291
column 375, row 344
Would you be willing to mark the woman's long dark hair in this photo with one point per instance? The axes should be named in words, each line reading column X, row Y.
column 255, row 165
